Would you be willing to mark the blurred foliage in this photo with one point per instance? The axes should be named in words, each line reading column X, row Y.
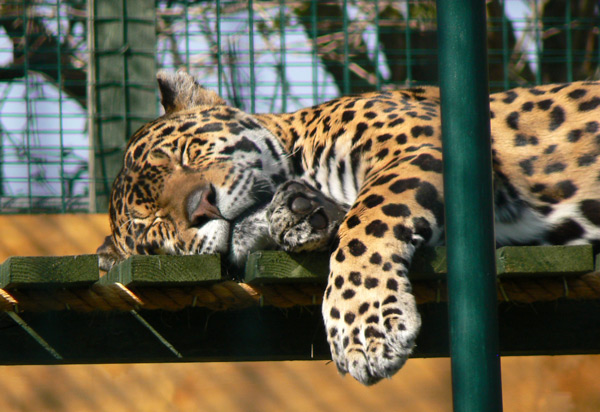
column 44, row 39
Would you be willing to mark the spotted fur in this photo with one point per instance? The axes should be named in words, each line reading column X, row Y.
column 200, row 179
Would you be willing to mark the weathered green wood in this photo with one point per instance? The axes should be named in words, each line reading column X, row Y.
column 269, row 333
column 513, row 261
column 272, row 267
column 41, row 342
column 194, row 334
column 427, row 264
column 163, row 270
column 281, row 267
column 544, row 260
column 124, row 70
column 49, row 272
column 597, row 263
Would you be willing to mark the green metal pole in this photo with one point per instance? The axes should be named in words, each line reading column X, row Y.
column 468, row 195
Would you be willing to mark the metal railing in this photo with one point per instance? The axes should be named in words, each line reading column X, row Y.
column 468, row 201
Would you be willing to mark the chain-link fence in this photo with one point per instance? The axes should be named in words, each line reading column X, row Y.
column 75, row 75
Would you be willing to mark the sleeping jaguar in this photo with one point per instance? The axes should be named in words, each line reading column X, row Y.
column 359, row 175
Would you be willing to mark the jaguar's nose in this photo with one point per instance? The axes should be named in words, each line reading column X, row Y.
column 201, row 205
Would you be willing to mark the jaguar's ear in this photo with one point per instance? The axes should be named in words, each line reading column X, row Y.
column 108, row 255
column 180, row 91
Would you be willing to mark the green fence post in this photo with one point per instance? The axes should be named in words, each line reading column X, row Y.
column 472, row 308
column 123, row 41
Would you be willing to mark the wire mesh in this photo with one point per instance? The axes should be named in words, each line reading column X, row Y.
column 43, row 138
column 262, row 56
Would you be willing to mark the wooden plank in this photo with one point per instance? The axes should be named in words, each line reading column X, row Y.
column 124, row 70
column 49, row 272
column 16, row 343
column 269, row 333
column 544, row 261
column 281, row 267
column 513, row 261
column 34, row 335
column 93, row 337
column 163, row 270
column 429, row 263
column 271, row 267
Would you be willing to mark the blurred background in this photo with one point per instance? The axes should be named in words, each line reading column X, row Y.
column 77, row 76
column 77, row 79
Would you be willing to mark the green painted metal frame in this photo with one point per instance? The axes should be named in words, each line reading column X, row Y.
column 472, row 305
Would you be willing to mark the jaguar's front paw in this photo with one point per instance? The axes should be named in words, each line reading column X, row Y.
column 302, row 219
column 371, row 325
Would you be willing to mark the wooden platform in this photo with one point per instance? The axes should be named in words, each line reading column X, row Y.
column 162, row 308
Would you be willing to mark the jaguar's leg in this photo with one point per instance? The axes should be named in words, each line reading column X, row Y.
column 370, row 314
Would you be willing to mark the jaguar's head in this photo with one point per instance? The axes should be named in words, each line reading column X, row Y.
column 191, row 177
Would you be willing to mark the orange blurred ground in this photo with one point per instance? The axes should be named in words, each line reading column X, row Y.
column 530, row 384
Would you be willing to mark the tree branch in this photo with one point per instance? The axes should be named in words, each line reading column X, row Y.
column 36, row 49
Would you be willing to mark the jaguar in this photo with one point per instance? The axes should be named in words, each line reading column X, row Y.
column 360, row 176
